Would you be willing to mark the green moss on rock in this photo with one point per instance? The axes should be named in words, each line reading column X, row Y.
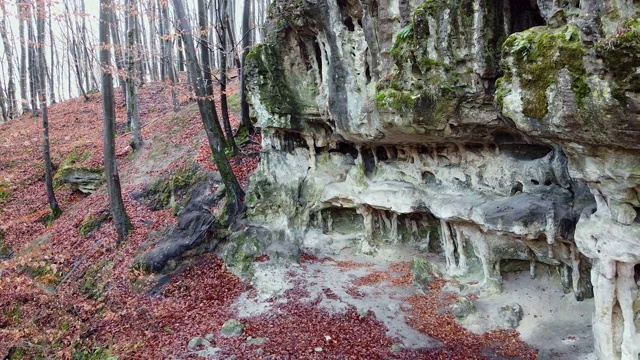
column 538, row 54
column 173, row 189
column 240, row 254
column 621, row 53
column 92, row 223
column 398, row 101
column 265, row 62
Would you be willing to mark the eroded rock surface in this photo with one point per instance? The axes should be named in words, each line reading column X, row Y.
column 499, row 133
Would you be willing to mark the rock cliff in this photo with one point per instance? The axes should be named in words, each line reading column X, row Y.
column 499, row 132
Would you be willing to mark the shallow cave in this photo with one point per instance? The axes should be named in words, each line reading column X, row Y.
column 291, row 140
column 525, row 14
column 342, row 220
column 525, row 151
column 345, row 148
column 369, row 161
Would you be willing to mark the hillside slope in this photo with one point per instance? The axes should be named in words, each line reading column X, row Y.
column 68, row 291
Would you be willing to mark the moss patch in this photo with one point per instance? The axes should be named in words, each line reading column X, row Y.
column 4, row 191
column 233, row 102
column 73, row 158
column 5, row 249
column 240, row 254
column 538, row 54
column 621, row 53
column 173, row 189
column 423, row 85
column 93, row 280
column 265, row 61
column 399, row 101
column 91, row 222
column 82, row 350
column 43, row 271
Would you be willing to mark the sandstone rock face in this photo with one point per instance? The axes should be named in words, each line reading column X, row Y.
column 493, row 131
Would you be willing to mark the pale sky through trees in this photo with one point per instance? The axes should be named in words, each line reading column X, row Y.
column 65, row 79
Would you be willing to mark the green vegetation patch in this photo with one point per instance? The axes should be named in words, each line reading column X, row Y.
column 91, row 223
column 233, row 101
column 43, row 271
column 71, row 165
column 84, row 351
column 538, row 54
column 173, row 189
column 621, row 53
column 49, row 218
column 5, row 249
column 4, row 191
column 240, row 254
column 275, row 92
column 13, row 312
column 93, row 279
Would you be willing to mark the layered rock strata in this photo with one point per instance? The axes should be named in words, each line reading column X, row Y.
column 500, row 133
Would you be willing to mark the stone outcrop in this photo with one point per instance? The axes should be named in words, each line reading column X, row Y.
column 85, row 180
column 497, row 132
column 193, row 233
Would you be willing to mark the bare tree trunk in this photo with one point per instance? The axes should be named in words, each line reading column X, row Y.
column 206, row 70
column 180, row 55
column 24, row 95
column 143, row 50
column 12, row 103
column 74, row 52
column 118, row 212
column 3, row 107
column 246, row 43
column 118, row 50
column 153, row 43
column 167, row 54
column 228, row 13
column 33, row 73
column 52, row 88
column 234, row 192
column 133, row 110
column 222, row 35
column 42, row 94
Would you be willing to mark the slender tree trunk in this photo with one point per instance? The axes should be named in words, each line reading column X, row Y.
column 228, row 14
column 12, row 104
column 206, row 70
column 91, row 82
column 42, row 94
column 153, row 42
column 52, row 88
column 75, row 53
column 3, row 107
column 133, row 110
column 234, row 192
column 167, row 56
column 24, row 95
column 118, row 212
column 246, row 44
column 33, row 73
column 118, row 51
column 224, row 110
column 143, row 52
column 180, row 55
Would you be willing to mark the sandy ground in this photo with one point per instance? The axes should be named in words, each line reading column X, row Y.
column 553, row 322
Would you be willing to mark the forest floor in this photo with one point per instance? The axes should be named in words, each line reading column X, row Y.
column 68, row 296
